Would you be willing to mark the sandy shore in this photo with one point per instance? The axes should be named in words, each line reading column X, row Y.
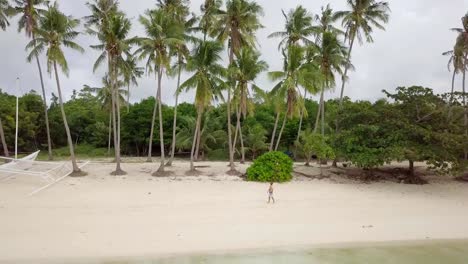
column 101, row 216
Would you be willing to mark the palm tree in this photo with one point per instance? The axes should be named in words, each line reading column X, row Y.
column 131, row 72
column 359, row 22
column 4, row 10
column 331, row 57
column 297, row 72
column 31, row 11
column 298, row 28
column 455, row 60
column 162, row 33
column 206, row 80
column 104, row 95
column 210, row 9
column 244, row 71
column 56, row 30
column 111, row 28
column 179, row 11
column 237, row 24
column 461, row 50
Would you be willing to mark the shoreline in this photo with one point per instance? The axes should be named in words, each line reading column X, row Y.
column 137, row 215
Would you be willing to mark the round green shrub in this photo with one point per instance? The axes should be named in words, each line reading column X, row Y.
column 271, row 167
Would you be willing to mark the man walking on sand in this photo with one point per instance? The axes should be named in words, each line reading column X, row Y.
column 270, row 193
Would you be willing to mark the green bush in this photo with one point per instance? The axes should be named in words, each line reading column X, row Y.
column 271, row 167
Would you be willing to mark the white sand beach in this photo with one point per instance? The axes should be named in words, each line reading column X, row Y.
column 103, row 216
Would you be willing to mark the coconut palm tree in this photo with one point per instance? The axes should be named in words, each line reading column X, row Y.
column 179, row 11
column 461, row 50
column 30, row 12
column 359, row 21
column 244, row 71
column 455, row 61
column 206, row 80
column 131, row 72
column 4, row 10
column 162, row 33
column 111, row 27
column 55, row 31
column 237, row 24
column 331, row 57
column 104, row 95
column 298, row 28
column 298, row 72
column 210, row 9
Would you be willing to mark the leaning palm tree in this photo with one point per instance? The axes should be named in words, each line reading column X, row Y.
column 206, row 80
column 111, row 27
column 298, row 28
column 4, row 10
column 359, row 22
column 244, row 71
column 56, row 30
column 237, row 24
column 30, row 12
column 162, row 33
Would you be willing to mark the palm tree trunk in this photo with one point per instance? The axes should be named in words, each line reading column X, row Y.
column 281, row 132
column 76, row 170
column 150, row 144
column 235, row 137
column 323, row 116
column 197, row 149
column 44, row 98
column 110, row 134
column 118, row 169
column 343, row 82
column 274, row 132
column 231, row 147
column 2, row 138
column 300, row 123
column 174, row 124
column 318, row 112
column 465, row 112
column 128, row 97
column 197, row 126
column 451, row 95
column 241, row 139
column 161, row 129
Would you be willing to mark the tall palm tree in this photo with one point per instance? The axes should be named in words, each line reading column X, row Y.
column 30, row 12
column 104, row 95
column 111, row 27
column 461, row 50
column 298, row 72
column 131, row 72
column 455, row 61
column 359, row 21
column 331, row 57
column 245, row 70
column 298, row 28
column 179, row 11
column 162, row 33
column 237, row 24
column 4, row 10
column 206, row 80
column 56, row 30
column 210, row 9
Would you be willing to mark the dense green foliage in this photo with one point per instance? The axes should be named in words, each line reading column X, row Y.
column 273, row 166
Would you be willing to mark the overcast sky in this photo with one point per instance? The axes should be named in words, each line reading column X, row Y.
column 407, row 53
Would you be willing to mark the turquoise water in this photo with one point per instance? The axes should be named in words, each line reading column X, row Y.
column 434, row 253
